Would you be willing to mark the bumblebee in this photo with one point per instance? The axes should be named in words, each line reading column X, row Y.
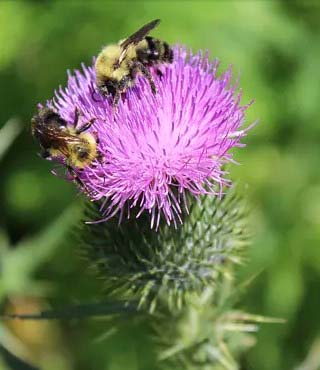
column 59, row 139
column 118, row 65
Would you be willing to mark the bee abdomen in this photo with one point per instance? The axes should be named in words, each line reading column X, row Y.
column 155, row 51
column 167, row 53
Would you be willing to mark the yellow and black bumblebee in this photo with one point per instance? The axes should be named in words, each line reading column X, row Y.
column 59, row 139
column 118, row 65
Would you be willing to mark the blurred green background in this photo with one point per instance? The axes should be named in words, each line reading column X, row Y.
column 276, row 48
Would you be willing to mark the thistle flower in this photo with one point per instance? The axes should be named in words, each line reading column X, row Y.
column 155, row 150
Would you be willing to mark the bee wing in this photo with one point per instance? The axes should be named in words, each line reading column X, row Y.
column 135, row 38
column 69, row 138
column 140, row 34
column 61, row 139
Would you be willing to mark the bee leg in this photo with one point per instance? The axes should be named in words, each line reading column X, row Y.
column 121, row 88
column 100, row 157
column 159, row 73
column 116, row 99
column 85, row 126
column 145, row 71
column 44, row 154
column 77, row 179
column 95, row 134
column 76, row 117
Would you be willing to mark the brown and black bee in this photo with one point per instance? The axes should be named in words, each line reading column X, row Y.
column 118, row 65
column 59, row 139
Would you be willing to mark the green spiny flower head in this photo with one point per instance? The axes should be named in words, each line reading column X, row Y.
column 165, row 267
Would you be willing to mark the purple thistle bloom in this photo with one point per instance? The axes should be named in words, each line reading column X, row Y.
column 157, row 148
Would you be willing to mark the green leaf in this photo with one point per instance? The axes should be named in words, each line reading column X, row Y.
column 18, row 265
column 80, row 311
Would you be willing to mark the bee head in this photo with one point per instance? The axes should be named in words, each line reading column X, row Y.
column 81, row 152
column 108, row 87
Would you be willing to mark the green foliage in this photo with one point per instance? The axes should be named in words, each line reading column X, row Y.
column 8, row 133
column 18, row 265
column 208, row 334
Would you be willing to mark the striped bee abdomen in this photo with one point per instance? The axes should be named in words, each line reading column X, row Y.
column 154, row 51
